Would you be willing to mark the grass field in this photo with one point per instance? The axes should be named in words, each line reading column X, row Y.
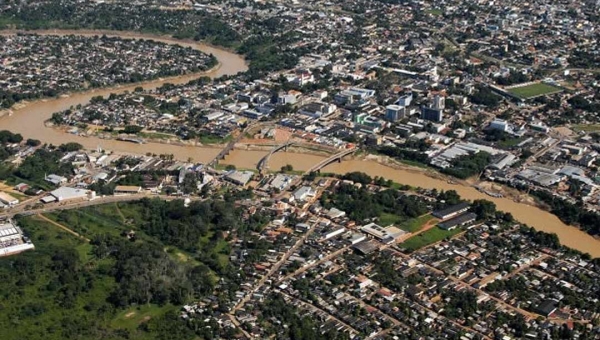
column 386, row 219
column 586, row 127
column 429, row 237
column 533, row 90
column 132, row 317
column 416, row 224
column 435, row 12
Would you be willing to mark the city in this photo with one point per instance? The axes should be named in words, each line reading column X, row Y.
column 300, row 169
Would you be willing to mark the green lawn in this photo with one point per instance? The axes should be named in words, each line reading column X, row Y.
column 432, row 235
column 415, row 224
column 386, row 219
column 534, row 90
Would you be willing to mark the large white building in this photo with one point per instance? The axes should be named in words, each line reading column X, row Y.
column 12, row 240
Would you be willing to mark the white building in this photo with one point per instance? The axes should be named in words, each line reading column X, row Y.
column 303, row 193
column 499, row 124
column 67, row 194
column 8, row 200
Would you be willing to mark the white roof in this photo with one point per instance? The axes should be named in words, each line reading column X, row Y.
column 66, row 193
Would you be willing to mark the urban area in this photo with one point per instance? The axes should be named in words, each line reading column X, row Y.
column 111, row 233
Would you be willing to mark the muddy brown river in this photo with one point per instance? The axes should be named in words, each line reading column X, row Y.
column 28, row 119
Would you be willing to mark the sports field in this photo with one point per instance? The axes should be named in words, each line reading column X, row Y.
column 533, row 90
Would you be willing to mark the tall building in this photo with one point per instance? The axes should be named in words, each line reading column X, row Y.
column 394, row 113
column 405, row 100
column 432, row 114
column 439, row 102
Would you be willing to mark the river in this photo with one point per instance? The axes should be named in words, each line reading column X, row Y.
column 28, row 119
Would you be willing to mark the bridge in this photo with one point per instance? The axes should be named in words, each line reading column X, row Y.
column 227, row 149
column 263, row 164
column 337, row 157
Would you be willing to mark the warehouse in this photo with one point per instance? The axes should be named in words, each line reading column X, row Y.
column 458, row 221
column 8, row 200
column 452, row 211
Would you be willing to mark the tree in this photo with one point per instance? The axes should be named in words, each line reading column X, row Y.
column 287, row 168
column 484, row 209
column 190, row 184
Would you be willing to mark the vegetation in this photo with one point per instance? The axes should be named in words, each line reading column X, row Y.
column 35, row 167
column 467, row 166
column 360, row 204
column 416, row 224
column 265, row 50
column 7, row 137
column 297, row 326
column 485, row 96
column 116, row 287
column 428, row 237
column 571, row 213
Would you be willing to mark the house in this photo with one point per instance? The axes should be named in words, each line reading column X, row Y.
column 547, row 307
column 56, row 179
column 303, row 193
column 8, row 199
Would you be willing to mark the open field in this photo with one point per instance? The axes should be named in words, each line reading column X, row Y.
column 586, row 127
column 416, row 224
column 428, row 237
column 533, row 90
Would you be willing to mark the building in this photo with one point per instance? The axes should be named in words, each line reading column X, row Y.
column 366, row 247
column 8, row 200
column 68, row 194
column 317, row 110
column 499, row 124
column 333, row 233
column 503, row 161
column 252, row 114
column 385, row 235
column 239, row 177
column 281, row 182
column 55, row 179
column 303, row 193
column 432, row 114
column 127, row 189
column 458, row 221
column 405, row 100
column 439, row 102
column 12, row 240
column 452, row 211
column 547, row 307
column 394, row 113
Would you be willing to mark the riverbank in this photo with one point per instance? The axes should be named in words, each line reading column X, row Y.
column 531, row 215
